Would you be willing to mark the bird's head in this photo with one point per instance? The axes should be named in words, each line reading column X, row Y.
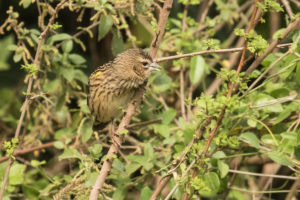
column 135, row 63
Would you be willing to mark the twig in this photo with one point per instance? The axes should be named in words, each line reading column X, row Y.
column 28, row 150
column 265, row 175
column 293, row 190
column 28, row 91
column 230, row 50
column 118, row 137
column 296, row 2
column 182, row 106
column 267, row 70
column 288, row 9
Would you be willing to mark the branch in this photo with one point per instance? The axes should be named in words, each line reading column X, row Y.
column 28, row 150
column 230, row 50
column 28, row 91
column 117, row 136
column 288, row 8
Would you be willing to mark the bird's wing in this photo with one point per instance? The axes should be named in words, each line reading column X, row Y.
column 102, row 68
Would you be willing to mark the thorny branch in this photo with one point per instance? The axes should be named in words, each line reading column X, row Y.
column 117, row 136
column 28, row 91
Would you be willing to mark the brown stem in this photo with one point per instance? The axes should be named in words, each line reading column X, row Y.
column 28, row 150
column 288, row 8
column 117, row 136
column 230, row 50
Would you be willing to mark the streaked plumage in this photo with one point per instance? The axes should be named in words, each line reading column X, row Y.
column 112, row 85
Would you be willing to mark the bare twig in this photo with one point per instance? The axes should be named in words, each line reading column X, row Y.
column 230, row 50
column 288, row 8
column 118, row 137
column 261, row 174
column 28, row 91
column 28, row 150
column 296, row 2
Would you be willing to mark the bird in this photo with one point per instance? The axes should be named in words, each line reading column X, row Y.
column 112, row 85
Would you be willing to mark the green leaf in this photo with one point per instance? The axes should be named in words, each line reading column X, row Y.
column 95, row 150
column 59, row 144
column 298, row 73
column 266, row 102
column 280, row 158
column 212, row 181
column 63, row 133
column 167, row 115
column 70, row 153
column 251, row 123
column 163, row 130
column 67, row 73
column 58, row 37
column 16, row 174
column 117, row 45
column 30, row 192
column 105, row 25
column 67, row 46
column 91, row 179
column 76, row 59
column 250, row 138
column 36, row 163
column 17, row 57
column 146, row 193
column 86, row 130
column 5, row 52
column 80, row 76
column 283, row 115
column 297, row 153
column 132, row 167
column 83, row 106
column 161, row 82
column 148, row 151
column 118, row 165
column 223, row 168
column 26, row 3
column 197, row 69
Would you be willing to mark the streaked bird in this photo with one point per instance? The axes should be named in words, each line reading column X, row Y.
column 112, row 85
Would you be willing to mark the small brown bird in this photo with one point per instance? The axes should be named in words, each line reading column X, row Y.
column 112, row 85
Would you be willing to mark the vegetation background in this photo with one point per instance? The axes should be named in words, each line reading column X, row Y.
column 219, row 123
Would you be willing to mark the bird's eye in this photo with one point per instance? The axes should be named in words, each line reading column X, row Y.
column 144, row 63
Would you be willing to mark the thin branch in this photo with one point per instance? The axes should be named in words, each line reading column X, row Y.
column 265, row 175
column 28, row 91
column 267, row 70
column 28, row 150
column 288, row 8
column 117, row 136
column 230, row 50
column 296, row 2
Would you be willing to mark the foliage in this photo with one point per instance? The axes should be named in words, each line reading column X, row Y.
column 259, row 122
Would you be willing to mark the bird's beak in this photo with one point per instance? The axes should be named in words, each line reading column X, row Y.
column 154, row 67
